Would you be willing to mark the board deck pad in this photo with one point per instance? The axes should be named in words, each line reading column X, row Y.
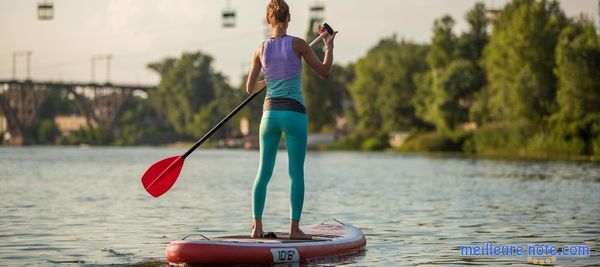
column 281, row 238
column 328, row 240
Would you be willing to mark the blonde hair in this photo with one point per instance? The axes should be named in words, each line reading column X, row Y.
column 278, row 12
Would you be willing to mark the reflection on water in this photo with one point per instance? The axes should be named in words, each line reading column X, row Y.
column 70, row 206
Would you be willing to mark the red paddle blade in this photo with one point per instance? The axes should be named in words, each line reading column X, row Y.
column 161, row 176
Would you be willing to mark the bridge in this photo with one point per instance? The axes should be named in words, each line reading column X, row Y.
column 99, row 104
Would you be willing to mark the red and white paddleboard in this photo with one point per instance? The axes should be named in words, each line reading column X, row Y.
column 335, row 239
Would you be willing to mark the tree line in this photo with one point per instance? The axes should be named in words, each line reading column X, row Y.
column 523, row 82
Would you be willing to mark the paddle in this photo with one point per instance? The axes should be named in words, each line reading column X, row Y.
column 161, row 176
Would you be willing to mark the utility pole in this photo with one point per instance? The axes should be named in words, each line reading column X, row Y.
column 94, row 58
column 17, row 54
column 108, row 58
column 28, row 53
column 93, row 69
column 14, row 69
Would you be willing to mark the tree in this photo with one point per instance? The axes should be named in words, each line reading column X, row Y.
column 460, row 80
column 138, row 124
column 578, row 94
column 471, row 43
column 383, row 87
column 443, row 43
column 578, row 70
column 446, row 92
column 519, row 61
column 431, row 93
column 187, row 87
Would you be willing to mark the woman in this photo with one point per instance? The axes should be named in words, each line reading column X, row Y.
column 279, row 57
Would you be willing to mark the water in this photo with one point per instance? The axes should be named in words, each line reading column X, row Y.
column 72, row 206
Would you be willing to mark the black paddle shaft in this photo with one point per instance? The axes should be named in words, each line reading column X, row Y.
column 232, row 113
column 223, row 121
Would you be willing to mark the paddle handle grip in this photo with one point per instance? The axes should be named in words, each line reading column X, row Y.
column 328, row 29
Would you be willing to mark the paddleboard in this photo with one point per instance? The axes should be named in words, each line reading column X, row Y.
column 328, row 240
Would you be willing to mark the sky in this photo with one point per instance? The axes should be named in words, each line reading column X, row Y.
column 137, row 32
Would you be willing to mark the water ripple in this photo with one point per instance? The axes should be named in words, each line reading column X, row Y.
column 414, row 210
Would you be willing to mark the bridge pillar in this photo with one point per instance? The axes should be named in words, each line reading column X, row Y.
column 19, row 102
column 100, row 104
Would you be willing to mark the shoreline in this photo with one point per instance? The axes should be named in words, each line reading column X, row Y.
column 434, row 154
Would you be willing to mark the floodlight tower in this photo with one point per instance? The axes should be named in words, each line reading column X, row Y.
column 317, row 13
column 45, row 10
column 228, row 16
column 492, row 13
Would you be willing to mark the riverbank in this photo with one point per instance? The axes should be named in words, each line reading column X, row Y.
column 495, row 141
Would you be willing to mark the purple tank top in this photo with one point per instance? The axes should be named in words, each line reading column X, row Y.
column 279, row 60
column 282, row 69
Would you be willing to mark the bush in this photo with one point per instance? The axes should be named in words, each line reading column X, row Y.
column 569, row 137
column 350, row 142
column 374, row 143
column 436, row 142
column 502, row 138
column 97, row 136
column 47, row 132
column 365, row 142
column 550, row 144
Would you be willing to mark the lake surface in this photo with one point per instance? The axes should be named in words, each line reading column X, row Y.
column 72, row 206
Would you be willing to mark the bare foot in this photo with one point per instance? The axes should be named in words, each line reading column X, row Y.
column 298, row 234
column 256, row 233
column 257, row 230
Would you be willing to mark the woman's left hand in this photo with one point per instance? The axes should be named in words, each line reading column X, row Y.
column 327, row 39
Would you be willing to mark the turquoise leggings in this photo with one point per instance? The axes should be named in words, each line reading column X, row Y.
column 273, row 124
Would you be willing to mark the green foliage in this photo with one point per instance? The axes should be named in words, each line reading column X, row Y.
column 578, row 70
column 358, row 141
column 97, row 136
column 444, row 99
column 575, row 125
column 435, row 142
column 187, row 87
column 349, row 142
column 552, row 143
column 46, row 131
column 138, row 123
column 519, row 61
column 383, row 87
column 502, row 138
column 446, row 91
column 443, row 43
column 470, row 44
column 378, row 141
